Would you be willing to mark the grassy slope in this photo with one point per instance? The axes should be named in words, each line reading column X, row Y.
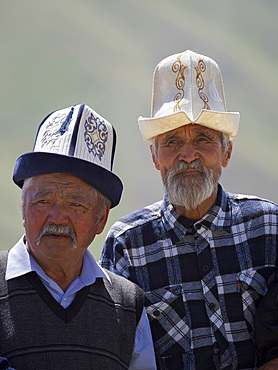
column 54, row 54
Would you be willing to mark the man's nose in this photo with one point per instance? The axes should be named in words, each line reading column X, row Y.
column 58, row 214
column 188, row 152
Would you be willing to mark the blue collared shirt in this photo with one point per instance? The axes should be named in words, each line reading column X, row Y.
column 21, row 262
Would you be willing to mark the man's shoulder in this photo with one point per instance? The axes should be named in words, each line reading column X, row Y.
column 252, row 204
column 138, row 218
column 120, row 281
column 3, row 259
column 119, row 286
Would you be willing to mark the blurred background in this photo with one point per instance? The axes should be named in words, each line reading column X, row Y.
column 103, row 53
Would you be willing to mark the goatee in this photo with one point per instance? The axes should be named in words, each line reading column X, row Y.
column 190, row 190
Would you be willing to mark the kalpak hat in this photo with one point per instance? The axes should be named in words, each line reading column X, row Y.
column 188, row 88
column 78, row 141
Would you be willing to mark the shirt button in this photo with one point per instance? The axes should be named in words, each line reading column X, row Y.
column 156, row 313
column 212, row 306
column 205, row 268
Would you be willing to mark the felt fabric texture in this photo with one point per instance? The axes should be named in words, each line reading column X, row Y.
column 188, row 88
column 78, row 141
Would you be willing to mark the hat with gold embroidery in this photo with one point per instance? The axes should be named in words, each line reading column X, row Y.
column 78, row 141
column 188, row 88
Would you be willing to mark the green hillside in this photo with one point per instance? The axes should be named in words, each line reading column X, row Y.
column 103, row 53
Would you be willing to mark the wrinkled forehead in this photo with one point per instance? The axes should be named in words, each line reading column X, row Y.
column 63, row 180
column 59, row 186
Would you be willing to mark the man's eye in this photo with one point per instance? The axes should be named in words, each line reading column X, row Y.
column 202, row 139
column 42, row 201
column 172, row 142
column 73, row 204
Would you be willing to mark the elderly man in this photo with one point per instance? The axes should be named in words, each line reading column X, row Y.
column 58, row 307
column 203, row 257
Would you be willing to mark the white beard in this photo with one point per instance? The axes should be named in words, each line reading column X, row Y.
column 190, row 191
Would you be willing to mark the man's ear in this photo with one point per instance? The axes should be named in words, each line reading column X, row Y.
column 23, row 215
column 155, row 161
column 227, row 156
column 103, row 219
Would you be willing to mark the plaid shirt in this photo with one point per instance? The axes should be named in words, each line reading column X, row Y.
column 202, row 281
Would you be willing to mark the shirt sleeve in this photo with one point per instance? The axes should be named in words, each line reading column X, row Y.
column 113, row 255
column 143, row 357
column 266, row 326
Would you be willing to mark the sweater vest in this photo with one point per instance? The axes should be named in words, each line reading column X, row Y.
column 97, row 331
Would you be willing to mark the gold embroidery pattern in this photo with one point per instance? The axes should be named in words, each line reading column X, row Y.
column 179, row 68
column 200, row 83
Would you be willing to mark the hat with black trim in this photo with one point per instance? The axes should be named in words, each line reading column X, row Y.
column 188, row 88
column 78, row 141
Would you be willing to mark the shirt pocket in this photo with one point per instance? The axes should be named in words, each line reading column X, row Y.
column 167, row 315
column 254, row 284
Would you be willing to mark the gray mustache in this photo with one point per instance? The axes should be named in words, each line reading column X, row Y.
column 57, row 229
column 181, row 165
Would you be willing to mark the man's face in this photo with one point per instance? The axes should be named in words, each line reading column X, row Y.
column 190, row 159
column 59, row 208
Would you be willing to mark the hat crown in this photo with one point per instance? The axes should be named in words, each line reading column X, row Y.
column 78, row 132
column 187, row 82
column 188, row 88
column 78, row 141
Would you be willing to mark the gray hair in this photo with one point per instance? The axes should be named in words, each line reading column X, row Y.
column 225, row 141
column 104, row 201
column 26, row 185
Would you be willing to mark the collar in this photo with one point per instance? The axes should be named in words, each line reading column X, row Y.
column 21, row 262
column 217, row 218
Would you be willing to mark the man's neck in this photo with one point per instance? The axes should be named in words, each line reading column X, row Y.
column 63, row 276
column 62, row 271
column 200, row 211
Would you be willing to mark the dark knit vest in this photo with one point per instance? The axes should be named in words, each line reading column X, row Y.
column 96, row 331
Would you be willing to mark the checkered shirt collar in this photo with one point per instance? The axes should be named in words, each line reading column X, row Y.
column 218, row 217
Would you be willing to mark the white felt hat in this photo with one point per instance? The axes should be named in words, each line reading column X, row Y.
column 78, row 141
column 188, row 88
